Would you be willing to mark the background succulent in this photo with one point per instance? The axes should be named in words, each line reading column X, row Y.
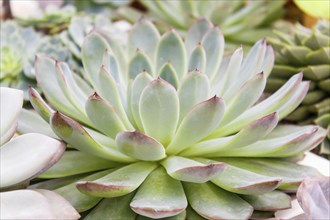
column 23, row 158
column 80, row 26
column 306, row 50
column 149, row 135
column 242, row 22
column 52, row 20
column 19, row 46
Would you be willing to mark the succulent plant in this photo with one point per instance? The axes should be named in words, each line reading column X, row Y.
column 151, row 136
column 306, row 50
column 80, row 26
column 53, row 19
column 18, row 49
column 243, row 22
column 22, row 158
column 17, row 45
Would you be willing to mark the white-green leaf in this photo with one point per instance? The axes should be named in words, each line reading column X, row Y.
column 104, row 116
column 202, row 119
column 214, row 45
column 197, row 60
column 93, row 50
column 196, row 33
column 26, row 156
column 119, row 182
column 30, row 122
column 140, row 82
column 168, row 74
column 74, row 134
column 76, row 162
column 194, row 89
column 188, row 170
column 212, row 202
column 35, row 204
column 145, row 36
column 171, row 49
column 139, row 63
column 11, row 103
column 159, row 110
column 159, row 196
column 108, row 90
column 140, row 146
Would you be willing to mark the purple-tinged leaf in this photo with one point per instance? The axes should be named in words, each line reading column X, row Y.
column 119, row 182
column 188, row 170
column 140, row 146
column 159, row 196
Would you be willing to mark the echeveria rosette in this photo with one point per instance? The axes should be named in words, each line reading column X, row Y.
column 242, row 22
column 306, row 50
column 22, row 158
column 153, row 138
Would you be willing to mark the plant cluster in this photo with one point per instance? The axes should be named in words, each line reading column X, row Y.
column 165, row 120
column 152, row 136
column 306, row 50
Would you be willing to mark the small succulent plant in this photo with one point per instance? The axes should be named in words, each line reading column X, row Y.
column 243, row 22
column 18, row 49
column 23, row 158
column 17, row 45
column 306, row 50
column 52, row 20
column 151, row 137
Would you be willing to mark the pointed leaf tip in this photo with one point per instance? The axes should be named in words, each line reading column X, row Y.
column 140, row 146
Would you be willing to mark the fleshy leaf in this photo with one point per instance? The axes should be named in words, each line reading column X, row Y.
column 171, row 49
column 43, row 109
column 194, row 89
column 47, row 80
column 188, row 170
column 11, row 103
column 108, row 90
column 250, row 134
column 212, row 202
column 93, row 50
column 75, row 135
column 202, row 119
column 140, row 82
column 156, row 201
column 119, row 182
column 103, row 116
column 30, row 122
column 81, row 201
column 139, row 63
column 247, row 95
column 35, row 204
column 197, row 59
column 168, row 74
column 83, row 163
column 159, row 110
column 114, row 208
column 20, row 163
column 271, row 201
column 290, row 173
column 140, row 146
column 213, row 43
column 196, row 33
column 137, row 38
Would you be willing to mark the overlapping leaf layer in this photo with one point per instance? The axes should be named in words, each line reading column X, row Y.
column 170, row 128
